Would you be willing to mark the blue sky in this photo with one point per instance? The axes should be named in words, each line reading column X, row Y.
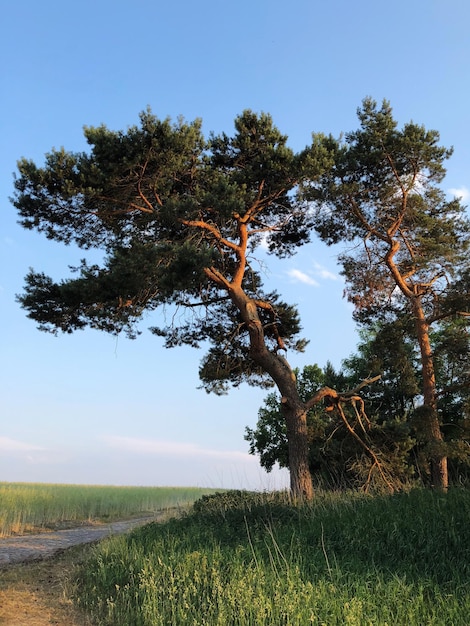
column 90, row 408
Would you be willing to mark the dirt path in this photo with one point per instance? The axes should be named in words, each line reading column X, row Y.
column 35, row 573
column 43, row 545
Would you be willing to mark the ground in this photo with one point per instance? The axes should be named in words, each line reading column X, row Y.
column 38, row 593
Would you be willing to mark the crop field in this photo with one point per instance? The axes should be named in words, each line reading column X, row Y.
column 26, row 507
column 259, row 560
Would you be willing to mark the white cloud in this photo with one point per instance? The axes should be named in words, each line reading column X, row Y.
column 26, row 453
column 173, row 449
column 322, row 272
column 302, row 277
column 309, row 278
column 460, row 192
column 13, row 445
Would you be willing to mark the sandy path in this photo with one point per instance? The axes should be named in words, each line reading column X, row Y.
column 30, row 547
column 33, row 585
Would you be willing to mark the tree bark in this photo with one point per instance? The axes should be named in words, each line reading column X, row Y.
column 433, row 434
column 432, row 431
column 295, row 411
column 297, row 440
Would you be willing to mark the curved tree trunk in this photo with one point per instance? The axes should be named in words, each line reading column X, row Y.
column 432, row 434
column 294, row 410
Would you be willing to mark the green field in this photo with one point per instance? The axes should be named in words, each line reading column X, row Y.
column 29, row 506
column 243, row 559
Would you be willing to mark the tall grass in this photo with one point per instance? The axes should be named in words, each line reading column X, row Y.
column 244, row 560
column 24, row 506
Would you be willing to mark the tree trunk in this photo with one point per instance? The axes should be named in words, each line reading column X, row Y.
column 281, row 373
column 433, row 434
column 432, row 431
column 297, row 439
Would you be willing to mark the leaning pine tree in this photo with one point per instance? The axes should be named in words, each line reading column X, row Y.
column 407, row 257
column 178, row 218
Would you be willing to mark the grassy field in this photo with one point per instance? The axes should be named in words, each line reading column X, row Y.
column 255, row 559
column 27, row 506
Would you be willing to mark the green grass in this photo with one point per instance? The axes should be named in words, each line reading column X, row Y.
column 255, row 559
column 26, row 506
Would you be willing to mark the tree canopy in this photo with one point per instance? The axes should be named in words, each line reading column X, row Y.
column 407, row 254
column 179, row 218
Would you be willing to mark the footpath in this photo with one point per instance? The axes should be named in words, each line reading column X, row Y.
column 32, row 547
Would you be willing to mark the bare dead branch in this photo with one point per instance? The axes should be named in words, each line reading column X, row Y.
column 361, row 385
column 368, row 449
column 345, row 396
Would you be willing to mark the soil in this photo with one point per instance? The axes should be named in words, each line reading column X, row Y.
column 36, row 574
column 37, row 593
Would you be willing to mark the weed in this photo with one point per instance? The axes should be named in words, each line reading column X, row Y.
column 257, row 559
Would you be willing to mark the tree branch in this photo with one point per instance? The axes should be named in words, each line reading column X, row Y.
column 364, row 383
column 346, row 396
column 217, row 277
column 397, row 276
column 268, row 307
column 202, row 225
column 368, row 449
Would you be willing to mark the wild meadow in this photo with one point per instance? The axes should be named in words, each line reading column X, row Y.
column 29, row 506
column 257, row 559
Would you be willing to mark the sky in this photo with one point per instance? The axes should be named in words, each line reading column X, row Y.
column 90, row 408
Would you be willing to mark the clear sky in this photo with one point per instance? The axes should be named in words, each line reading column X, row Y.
column 90, row 408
